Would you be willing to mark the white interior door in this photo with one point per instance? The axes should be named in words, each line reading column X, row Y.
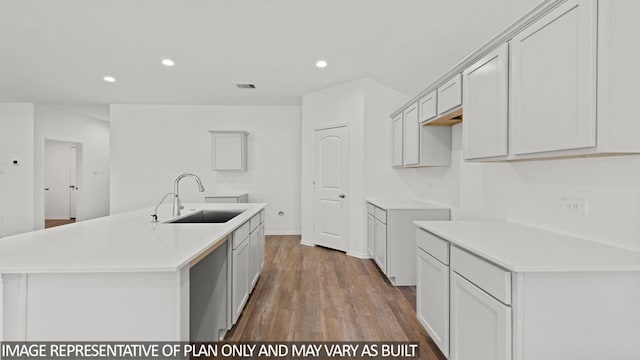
column 73, row 180
column 331, row 175
column 56, row 180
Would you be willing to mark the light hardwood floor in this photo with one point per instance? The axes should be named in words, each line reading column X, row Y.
column 316, row 294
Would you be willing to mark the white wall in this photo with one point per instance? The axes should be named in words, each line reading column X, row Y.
column 16, row 182
column 55, row 123
column 364, row 105
column 152, row 144
column 529, row 192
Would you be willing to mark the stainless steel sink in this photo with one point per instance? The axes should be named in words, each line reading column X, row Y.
column 207, row 217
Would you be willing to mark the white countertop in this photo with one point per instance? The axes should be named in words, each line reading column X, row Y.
column 227, row 194
column 405, row 204
column 126, row 242
column 521, row 248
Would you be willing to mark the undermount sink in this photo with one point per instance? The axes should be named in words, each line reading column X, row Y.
column 207, row 217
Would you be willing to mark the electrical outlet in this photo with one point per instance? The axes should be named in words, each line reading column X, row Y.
column 574, row 206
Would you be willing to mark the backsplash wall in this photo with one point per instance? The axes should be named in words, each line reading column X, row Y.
column 530, row 192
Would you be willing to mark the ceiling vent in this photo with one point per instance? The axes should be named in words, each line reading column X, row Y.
column 246, row 86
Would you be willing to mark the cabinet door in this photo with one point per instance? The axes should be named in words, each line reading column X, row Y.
column 450, row 95
column 397, row 141
column 370, row 234
column 262, row 245
column 411, row 139
column 432, row 301
column 427, row 107
column 553, row 97
column 228, row 150
column 380, row 244
column 485, row 106
column 240, row 279
column 480, row 324
column 254, row 258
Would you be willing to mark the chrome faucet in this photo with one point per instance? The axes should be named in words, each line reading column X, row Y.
column 154, row 216
column 176, row 196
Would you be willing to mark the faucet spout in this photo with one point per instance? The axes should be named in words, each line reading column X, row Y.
column 176, row 192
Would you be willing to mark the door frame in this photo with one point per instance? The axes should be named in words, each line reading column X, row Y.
column 39, row 180
column 347, row 201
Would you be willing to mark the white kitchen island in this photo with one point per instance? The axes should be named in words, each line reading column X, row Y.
column 122, row 277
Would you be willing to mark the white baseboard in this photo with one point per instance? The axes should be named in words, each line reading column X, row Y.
column 359, row 255
column 305, row 243
column 292, row 232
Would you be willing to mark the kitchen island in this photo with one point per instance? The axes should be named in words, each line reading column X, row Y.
column 122, row 277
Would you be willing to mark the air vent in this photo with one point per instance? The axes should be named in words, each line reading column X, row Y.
column 246, row 86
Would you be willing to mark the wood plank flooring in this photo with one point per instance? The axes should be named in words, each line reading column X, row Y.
column 316, row 294
column 49, row 223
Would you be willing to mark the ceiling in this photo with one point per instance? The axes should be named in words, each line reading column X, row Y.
column 58, row 51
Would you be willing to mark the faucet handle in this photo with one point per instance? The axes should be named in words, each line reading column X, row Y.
column 154, row 218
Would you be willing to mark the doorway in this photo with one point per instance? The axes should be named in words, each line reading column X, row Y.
column 330, row 187
column 61, row 169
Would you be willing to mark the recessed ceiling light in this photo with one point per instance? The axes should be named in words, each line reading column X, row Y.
column 321, row 64
column 109, row 79
column 168, row 62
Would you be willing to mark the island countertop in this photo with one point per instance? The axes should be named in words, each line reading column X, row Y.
column 522, row 248
column 126, row 242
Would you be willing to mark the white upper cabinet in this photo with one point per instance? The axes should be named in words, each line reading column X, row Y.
column 484, row 133
column 427, row 106
column 397, row 141
column 553, row 81
column 229, row 150
column 411, row 137
column 450, row 95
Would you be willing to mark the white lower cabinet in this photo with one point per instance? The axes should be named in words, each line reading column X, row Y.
column 240, row 276
column 391, row 235
column 254, row 253
column 247, row 260
column 380, row 244
column 371, row 220
column 480, row 324
column 432, row 301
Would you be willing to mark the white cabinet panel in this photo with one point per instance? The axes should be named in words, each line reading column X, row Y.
column 427, row 106
column 254, row 258
column 240, row 279
column 229, row 150
column 485, row 106
column 370, row 234
column 432, row 300
column 380, row 244
column 411, row 138
column 450, row 95
column 262, row 246
column 480, row 324
column 397, row 141
column 553, row 81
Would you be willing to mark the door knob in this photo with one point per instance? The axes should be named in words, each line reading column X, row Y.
column 341, row 196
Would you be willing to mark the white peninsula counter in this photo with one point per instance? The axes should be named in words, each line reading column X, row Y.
column 122, row 277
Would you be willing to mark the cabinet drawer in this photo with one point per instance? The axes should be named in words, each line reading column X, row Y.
column 254, row 222
column 381, row 214
column 241, row 234
column 493, row 279
column 370, row 209
column 450, row 95
column 433, row 245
